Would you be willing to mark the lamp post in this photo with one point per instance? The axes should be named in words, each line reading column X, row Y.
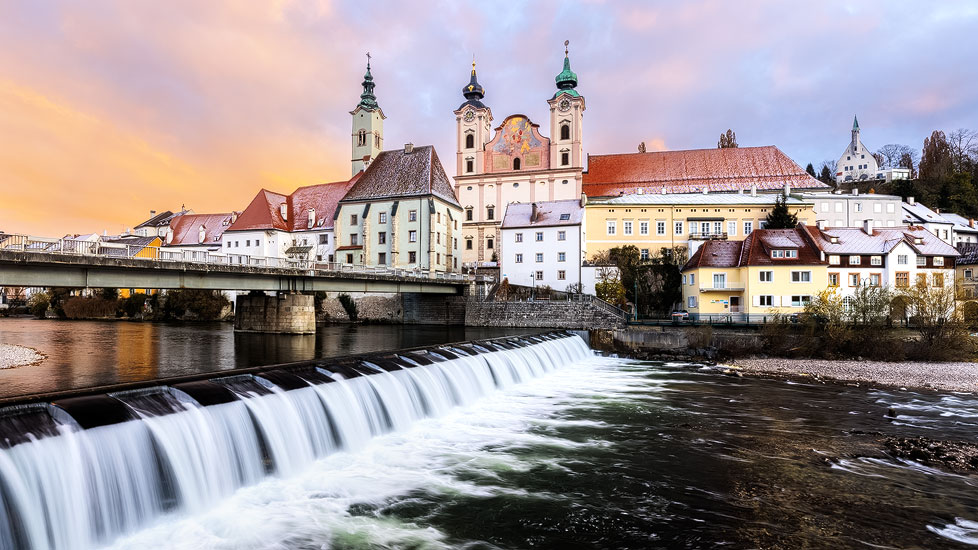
column 533, row 286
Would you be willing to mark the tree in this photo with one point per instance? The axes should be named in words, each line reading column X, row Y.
column 811, row 170
column 936, row 163
column 780, row 217
column 963, row 147
column 879, row 159
column 660, row 281
column 641, row 147
column 611, row 290
column 727, row 140
column 892, row 153
column 38, row 304
column 933, row 313
column 908, row 160
column 627, row 259
column 826, row 173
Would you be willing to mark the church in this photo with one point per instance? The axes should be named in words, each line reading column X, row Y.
column 514, row 162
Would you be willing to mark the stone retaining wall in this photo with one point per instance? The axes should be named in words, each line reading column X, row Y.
column 540, row 314
column 282, row 314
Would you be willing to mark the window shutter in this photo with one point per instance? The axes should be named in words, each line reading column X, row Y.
column 757, row 301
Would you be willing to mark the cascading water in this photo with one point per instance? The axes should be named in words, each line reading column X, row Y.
column 67, row 487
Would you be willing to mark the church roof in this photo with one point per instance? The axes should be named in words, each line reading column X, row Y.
column 730, row 169
column 566, row 79
column 473, row 92
column 403, row 173
column 367, row 99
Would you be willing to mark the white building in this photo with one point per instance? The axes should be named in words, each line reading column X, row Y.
column 918, row 215
column 541, row 245
column 853, row 209
column 195, row 236
column 892, row 257
column 964, row 231
column 857, row 162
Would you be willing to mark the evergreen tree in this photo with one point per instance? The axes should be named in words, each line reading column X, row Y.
column 811, row 170
column 780, row 217
column 826, row 175
column 727, row 140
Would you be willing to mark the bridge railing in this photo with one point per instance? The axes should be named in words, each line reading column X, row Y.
column 27, row 243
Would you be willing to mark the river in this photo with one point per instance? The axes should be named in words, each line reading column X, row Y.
column 604, row 452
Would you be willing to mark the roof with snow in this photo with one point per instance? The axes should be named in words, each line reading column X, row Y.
column 397, row 173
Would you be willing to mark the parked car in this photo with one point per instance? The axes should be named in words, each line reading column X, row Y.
column 680, row 315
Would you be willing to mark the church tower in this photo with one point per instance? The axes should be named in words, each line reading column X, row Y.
column 855, row 135
column 368, row 125
column 566, row 116
column 474, row 126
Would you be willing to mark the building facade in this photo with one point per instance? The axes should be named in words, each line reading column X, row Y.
column 652, row 222
column 853, row 209
column 517, row 164
column 542, row 245
column 916, row 214
column 857, row 162
column 401, row 213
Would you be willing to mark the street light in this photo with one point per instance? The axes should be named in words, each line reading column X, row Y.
column 533, row 286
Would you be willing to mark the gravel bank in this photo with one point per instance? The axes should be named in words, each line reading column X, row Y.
column 933, row 376
column 18, row 356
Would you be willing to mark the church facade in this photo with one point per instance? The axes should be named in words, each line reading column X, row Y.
column 516, row 163
column 857, row 163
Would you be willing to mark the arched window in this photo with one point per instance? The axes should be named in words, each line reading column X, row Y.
column 565, row 131
column 377, row 141
column 469, row 141
column 516, row 164
column 361, row 138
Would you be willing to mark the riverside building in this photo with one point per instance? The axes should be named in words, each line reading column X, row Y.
column 542, row 246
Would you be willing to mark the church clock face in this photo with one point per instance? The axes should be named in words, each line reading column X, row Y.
column 469, row 116
column 564, row 104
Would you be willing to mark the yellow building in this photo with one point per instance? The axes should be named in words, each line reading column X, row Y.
column 132, row 246
column 772, row 271
column 651, row 222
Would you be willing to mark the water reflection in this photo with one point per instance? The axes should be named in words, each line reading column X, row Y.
column 89, row 353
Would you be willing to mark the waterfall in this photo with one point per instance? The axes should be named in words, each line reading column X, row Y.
column 63, row 486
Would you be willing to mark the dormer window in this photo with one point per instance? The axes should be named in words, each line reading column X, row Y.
column 564, row 217
column 781, row 253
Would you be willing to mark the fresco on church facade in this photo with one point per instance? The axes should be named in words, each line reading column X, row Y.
column 517, row 137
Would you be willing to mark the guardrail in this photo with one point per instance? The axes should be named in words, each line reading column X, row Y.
column 164, row 255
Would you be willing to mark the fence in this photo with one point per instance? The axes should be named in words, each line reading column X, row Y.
column 163, row 255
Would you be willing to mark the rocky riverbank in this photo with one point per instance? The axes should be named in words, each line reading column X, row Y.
column 962, row 377
column 18, row 356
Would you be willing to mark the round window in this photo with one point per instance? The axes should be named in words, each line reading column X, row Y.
column 469, row 188
column 515, row 185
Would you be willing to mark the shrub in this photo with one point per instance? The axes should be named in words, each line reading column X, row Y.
column 79, row 307
column 110, row 294
column 58, row 296
column 38, row 304
column 204, row 305
column 134, row 304
column 502, row 292
column 349, row 306
column 611, row 291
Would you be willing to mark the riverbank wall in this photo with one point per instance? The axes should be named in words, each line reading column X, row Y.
column 653, row 342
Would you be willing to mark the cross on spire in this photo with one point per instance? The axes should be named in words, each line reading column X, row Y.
column 566, row 48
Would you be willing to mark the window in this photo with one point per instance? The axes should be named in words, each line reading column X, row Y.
column 561, row 275
column 692, row 278
column 800, row 301
column 438, row 217
column 519, row 237
column 877, row 208
column 437, row 258
column 382, row 258
column 413, row 216
column 967, row 273
column 717, row 228
column 660, row 228
column 643, row 228
column 678, row 228
column 833, row 279
column 901, row 259
column 875, row 260
column 489, row 243
column 719, row 280
column 691, row 301
column 853, row 279
column 353, row 219
column 921, row 261
column 765, row 301
column 565, row 131
column 561, row 256
column 834, row 259
column 229, row 244
column 824, row 207
column 939, row 261
column 382, row 217
column 705, row 228
column 353, row 239
column 516, row 164
column 539, row 275
column 890, row 208
column 858, row 206
column 766, row 276
column 519, row 258
column 921, row 278
column 413, row 236
column 468, row 244
column 938, row 279
column 438, row 238
column 748, row 228
column 324, row 238
column 782, row 253
column 838, row 207
column 801, row 276
column 539, row 257
column 490, row 213
column 612, row 227
column 564, row 159
column 855, row 260
column 732, row 228
column 561, row 235
column 468, row 214
column 349, row 258
column 469, row 141
column 382, row 237
column 539, row 236
column 644, row 254
column 361, row 139
column 236, row 244
column 874, row 279
column 469, row 166
column 627, row 226
column 412, row 257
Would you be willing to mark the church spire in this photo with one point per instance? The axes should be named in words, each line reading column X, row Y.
column 855, row 123
column 473, row 91
column 367, row 99
column 567, row 79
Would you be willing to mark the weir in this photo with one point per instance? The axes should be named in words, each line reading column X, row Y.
column 81, row 470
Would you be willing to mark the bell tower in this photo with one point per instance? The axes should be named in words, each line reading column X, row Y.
column 473, row 120
column 368, row 125
column 566, row 118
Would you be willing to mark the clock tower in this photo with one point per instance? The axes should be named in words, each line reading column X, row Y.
column 473, row 120
column 368, row 125
column 566, row 116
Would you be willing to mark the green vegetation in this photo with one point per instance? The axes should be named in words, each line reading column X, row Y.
column 652, row 283
column 780, row 217
column 200, row 305
column 134, row 305
column 349, row 306
column 38, row 304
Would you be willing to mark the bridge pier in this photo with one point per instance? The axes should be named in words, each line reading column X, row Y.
column 282, row 314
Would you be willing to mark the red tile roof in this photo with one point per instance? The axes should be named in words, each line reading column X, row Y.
column 716, row 254
column 265, row 210
column 756, row 249
column 689, row 171
column 185, row 229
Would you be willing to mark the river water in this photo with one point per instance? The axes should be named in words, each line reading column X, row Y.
column 611, row 453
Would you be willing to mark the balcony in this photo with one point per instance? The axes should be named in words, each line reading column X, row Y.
column 707, row 236
column 731, row 287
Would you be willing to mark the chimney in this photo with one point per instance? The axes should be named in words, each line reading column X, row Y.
column 583, row 200
column 201, row 235
column 855, row 190
column 408, row 148
column 820, row 224
column 787, row 188
column 152, row 213
column 753, row 190
column 706, row 190
column 910, row 201
column 868, row 226
column 284, row 209
column 971, row 222
column 312, row 218
column 665, row 190
column 234, row 217
column 641, row 191
column 533, row 213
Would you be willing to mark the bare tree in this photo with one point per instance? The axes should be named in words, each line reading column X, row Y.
column 963, row 144
column 727, row 140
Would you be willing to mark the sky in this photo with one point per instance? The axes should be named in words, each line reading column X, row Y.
column 110, row 109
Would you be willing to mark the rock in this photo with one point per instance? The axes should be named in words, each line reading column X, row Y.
column 891, row 413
